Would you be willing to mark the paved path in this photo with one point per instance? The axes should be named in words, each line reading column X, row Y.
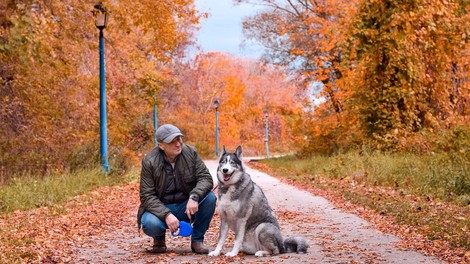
column 334, row 236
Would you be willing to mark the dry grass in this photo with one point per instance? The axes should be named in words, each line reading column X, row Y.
column 27, row 192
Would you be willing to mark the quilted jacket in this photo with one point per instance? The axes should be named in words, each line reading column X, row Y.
column 193, row 173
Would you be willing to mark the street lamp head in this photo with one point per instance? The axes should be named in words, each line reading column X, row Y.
column 101, row 15
column 216, row 103
column 265, row 111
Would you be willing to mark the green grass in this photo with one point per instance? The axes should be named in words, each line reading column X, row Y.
column 439, row 176
column 430, row 192
column 27, row 192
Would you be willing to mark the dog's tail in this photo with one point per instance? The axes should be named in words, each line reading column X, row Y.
column 296, row 244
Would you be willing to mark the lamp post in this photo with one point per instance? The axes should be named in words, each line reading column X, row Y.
column 101, row 15
column 266, row 140
column 155, row 118
column 216, row 105
column 155, row 124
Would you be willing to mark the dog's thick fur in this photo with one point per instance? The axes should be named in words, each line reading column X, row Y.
column 244, row 209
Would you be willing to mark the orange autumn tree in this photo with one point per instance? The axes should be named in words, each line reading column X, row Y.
column 411, row 59
column 244, row 88
column 309, row 37
column 49, row 78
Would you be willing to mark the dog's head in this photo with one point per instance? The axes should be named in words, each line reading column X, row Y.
column 230, row 168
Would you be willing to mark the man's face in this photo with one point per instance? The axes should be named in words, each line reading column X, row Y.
column 173, row 148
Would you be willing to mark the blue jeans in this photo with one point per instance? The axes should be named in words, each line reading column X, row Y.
column 156, row 228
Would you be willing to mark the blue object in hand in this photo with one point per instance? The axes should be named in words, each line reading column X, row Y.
column 185, row 230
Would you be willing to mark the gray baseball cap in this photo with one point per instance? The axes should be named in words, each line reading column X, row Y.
column 167, row 133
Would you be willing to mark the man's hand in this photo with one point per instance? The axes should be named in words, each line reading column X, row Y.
column 172, row 222
column 191, row 208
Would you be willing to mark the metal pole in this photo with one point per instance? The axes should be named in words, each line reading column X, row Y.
column 267, row 138
column 155, row 125
column 103, row 132
column 216, row 132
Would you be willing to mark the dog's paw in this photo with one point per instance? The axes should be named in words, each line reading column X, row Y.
column 261, row 253
column 231, row 254
column 214, row 253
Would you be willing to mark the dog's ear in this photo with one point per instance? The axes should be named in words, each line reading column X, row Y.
column 223, row 150
column 238, row 152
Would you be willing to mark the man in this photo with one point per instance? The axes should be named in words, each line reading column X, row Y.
column 175, row 185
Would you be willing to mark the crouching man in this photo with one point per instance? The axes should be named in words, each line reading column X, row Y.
column 175, row 185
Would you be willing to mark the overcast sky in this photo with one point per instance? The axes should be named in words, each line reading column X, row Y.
column 222, row 30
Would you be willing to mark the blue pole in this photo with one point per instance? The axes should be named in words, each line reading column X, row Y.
column 103, row 132
column 267, row 138
column 216, row 132
column 155, row 125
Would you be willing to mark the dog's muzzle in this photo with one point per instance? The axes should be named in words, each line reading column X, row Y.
column 227, row 176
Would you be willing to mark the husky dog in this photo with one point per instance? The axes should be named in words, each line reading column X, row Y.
column 244, row 209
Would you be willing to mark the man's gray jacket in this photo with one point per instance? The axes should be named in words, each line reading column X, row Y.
column 195, row 179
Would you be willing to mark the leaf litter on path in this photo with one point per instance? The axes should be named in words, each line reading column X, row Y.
column 100, row 227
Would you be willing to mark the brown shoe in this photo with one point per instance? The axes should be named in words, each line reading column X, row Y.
column 199, row 248
column 158, row 246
